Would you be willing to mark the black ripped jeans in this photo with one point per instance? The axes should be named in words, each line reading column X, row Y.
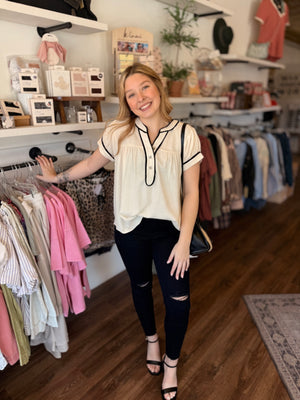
column 154, row 239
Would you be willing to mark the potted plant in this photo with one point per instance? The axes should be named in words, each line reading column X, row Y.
column 176, row 35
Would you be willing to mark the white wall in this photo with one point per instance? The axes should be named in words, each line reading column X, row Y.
column 95, row 50
column 151, row 15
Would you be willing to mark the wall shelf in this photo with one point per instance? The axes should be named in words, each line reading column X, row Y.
column 34, row 16
column 58, row 128
column 202, row 8
column 197, row 100
column 233, row 58
column 293, row 131
column 179, row 100
column 249, row 111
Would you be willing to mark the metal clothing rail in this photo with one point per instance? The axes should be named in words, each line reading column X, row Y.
column 42, row 31
column 70, row 148
column 33, row 153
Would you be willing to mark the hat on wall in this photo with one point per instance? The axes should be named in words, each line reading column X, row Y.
column 222, row 35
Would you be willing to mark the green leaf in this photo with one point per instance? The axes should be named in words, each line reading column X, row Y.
column 177, row 35
column 176, row 73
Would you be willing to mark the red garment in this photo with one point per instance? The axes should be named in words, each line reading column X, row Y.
column 207, row 169
column 273, row 23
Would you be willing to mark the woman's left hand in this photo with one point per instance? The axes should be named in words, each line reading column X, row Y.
column 181, row 260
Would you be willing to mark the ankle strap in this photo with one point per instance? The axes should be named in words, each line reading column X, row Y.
column 169, row 366
column 154, row 341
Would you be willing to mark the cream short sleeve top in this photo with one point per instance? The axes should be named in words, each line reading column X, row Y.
column 147, row 180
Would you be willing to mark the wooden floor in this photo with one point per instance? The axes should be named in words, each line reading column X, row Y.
column 223, row 356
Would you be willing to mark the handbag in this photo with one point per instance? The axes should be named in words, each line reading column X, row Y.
column 200, row 242
column 258, row 50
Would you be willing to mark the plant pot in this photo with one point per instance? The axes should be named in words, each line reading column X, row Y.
column 175, row 88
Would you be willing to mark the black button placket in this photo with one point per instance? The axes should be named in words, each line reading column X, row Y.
column 150, row 162
column 151, row 150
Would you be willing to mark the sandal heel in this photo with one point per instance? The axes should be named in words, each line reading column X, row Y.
column 170, row 389
column 152, row 362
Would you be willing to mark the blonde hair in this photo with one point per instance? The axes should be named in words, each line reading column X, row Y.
column 126, row 118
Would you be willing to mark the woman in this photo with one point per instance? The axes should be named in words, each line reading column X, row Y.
column 152, row 221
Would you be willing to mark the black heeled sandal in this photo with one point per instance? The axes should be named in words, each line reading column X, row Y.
column 152, row 362
column 170, row 389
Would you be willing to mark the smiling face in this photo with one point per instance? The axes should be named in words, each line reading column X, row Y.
column 143, row 97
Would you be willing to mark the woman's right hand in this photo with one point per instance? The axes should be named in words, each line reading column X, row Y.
column 48, row 170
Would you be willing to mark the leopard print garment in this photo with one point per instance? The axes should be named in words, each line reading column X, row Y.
column 93, row 197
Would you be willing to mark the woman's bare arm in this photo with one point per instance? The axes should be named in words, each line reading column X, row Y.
column 82, row 169
column 180, row 254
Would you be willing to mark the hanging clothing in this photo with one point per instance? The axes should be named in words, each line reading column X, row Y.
column 275, row 179
column 264, row 161
column 20, row 273
column 226, row 174
column 50, row 51
column 245, row 157
column 42, row 310
column 215, row 185
column 3, row 362
column 258, row 185
column 287, row 157
column 234, row 185
column 8, row 343
column 93, row 197
column 36, row 209
column 16, row 318
column 30, row 288
column 68, row 238
column 207, row 170
column 272, row 29
column 38, row 314
column 224, row 219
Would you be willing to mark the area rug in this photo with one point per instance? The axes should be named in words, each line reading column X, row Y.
column 277, row 318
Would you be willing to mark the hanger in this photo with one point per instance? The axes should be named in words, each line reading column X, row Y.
column 49, row 37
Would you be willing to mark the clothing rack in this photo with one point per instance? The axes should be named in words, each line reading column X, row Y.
column 77, row 132
column 192, row 115
column 42, row 31
column 33, row 153
column 99, row 251
column 259, row 125
column 197, row 16
column 70, row 148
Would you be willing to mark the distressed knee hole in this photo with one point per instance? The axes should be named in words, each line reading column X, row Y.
column 180, row 298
